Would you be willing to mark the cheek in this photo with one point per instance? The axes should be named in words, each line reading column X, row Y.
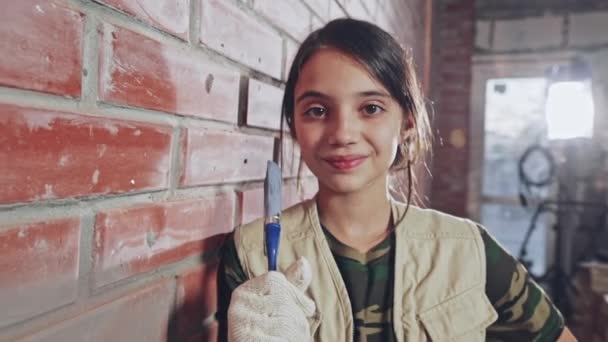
column 391, row 144
column 388, row 139
column 388, row 134
column 305, row 138
column 307, row 144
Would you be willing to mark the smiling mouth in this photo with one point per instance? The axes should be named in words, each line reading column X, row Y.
column 345, row 163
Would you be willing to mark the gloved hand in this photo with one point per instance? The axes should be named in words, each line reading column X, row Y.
column 272, row 307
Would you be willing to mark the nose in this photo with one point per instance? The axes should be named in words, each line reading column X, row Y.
column 343, row 129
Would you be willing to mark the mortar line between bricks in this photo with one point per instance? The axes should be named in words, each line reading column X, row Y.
column 173, row 303
column 58, row 209
column 343, row 8
column 163, row 271
column 367, row 11
column 195, row 22
column 89, row 63
column 32, row 99
column 565, row 32
column 261, row 19
column 492, row 34
column 175, row 120
column 284, row 71
column 243, row 101
column 238, row 206
column 85, row 269
column 23, row 213
column 175, row 169
column 314, row 12
column 19, row 331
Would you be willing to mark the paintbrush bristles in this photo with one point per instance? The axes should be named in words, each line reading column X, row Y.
column 272, row 190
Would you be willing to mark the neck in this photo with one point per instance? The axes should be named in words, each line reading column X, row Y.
column 359, row 219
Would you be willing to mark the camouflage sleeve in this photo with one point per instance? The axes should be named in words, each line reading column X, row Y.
column 525, row 312
column 230, row 275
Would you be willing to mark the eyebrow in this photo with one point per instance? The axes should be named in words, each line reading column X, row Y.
column 313, row 94
column 317, row 94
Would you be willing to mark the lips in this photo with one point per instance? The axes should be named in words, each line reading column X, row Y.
column 347, row 162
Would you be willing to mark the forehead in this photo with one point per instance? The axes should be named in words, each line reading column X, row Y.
column 336, row 74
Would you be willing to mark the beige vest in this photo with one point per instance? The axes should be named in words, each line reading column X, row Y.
column 440, row 274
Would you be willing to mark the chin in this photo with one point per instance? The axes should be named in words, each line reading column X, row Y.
column 344, row 184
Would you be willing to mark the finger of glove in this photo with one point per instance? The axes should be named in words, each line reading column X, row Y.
column 299, row 273
column 246, row 304
column 281, row 285
column 271, row 290
column 279, row 304
column 289, row 328
column 289, row 325
column 274, row 284
column 247, row 335
column 285, row 321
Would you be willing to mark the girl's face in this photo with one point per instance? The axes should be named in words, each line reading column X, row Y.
column 346, row 123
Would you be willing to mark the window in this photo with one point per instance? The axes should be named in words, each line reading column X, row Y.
column 514, row 121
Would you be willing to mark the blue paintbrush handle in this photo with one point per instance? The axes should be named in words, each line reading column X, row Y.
column 273, row 233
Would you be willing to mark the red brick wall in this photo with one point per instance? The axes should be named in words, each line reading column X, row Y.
column 133, row 136
column 453, row 49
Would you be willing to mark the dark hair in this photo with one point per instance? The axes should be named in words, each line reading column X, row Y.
column 387, row 61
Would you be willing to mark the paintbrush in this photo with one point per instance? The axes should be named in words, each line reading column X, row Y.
column 272, row 213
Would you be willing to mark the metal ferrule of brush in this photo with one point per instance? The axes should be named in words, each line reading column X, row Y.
column 273, row 219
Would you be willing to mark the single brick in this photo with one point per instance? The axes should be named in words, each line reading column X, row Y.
column 171, row 16
column 230, row 31
column 292, row 49
column 212, row 157
column 290, row 15
column 138, row 71
column 130, row 241
column 51, row 155
column 38, row 268
column 142, row 315
column 264, row 105
column 40, row 46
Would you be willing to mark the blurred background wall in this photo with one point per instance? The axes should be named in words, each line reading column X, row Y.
column 540, row 144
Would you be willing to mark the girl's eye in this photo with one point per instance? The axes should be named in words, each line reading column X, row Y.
column 372, row 109
column 315, row 112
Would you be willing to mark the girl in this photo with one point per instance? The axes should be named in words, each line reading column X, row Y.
column 357, row 264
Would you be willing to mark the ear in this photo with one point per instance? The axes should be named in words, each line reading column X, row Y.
column 408, row 128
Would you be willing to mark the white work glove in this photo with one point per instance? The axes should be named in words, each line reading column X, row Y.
column 272, row 307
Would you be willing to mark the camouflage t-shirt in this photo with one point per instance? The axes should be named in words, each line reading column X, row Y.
column 525, row 313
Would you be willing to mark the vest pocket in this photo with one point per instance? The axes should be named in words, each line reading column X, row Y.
column 464, row 317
